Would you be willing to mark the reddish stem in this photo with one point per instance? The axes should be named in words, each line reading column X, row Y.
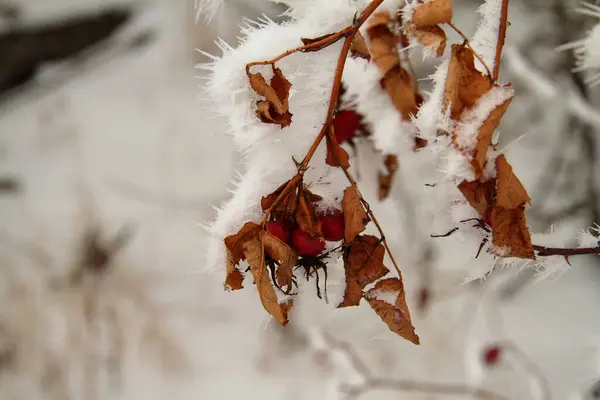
column 501, row 38
column 544, row 251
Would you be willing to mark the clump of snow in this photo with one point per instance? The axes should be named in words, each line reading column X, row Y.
column 485, row 40
column 390, row 134
column 467, row 129
column 429, row 115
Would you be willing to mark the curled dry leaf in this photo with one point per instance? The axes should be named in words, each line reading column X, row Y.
column 387, row 178
column 480, row 196
column 388, row 300
column 305, row 215
column 355, row 216
column 275, row 109
column 384, row 53
column 287, row 204
column 465, row 84
column 510, row 233
column 235, row 253
column 424, row 24
column 363, row 263
column 383, row 42
column 359, row 48
column 432, row 13
column 278, row 250
column 510, row 191
column 508, row 220
column 254, row 254
column 336, row 155
column 501, row 203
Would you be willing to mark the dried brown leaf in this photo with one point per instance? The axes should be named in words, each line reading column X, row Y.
column 363, row 264
column 235, row 253
column 268, row 297
column 386, row 179
column 278, row 250
column 353, row 293
column 275, row 109
column 234, row 278
column 336, row 155
column 484, row 138
column 510, row 233
column 432, row 13
column 465, row 84
column 383, row 43
column 432, row 37
column 510, row 191
column 480, row 195
column 359, row 47
column 398, row 84
column 234, row 243
column 305, row 215
column 355, row 216
column 395, row 314
column 286, row 204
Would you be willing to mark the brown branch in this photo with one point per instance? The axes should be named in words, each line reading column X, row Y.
column 501, row 38
column 544, row 251
column 447, row 389
column 370, row 383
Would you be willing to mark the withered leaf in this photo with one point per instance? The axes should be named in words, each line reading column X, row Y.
column 275, row 109
column 235, row 253
column 234, row 278
column 480, row 196
column 510, row 233
column 336, row 155
column 286, row 204
column 398, row 84
column 465, row 84
column 395, row 313
column 355, row 216
column 484, row 138
column 510, row 191
column 305, row 215
column 278, row 250
column 432, row 37
column 363, row 264
column 268, row 297
column 432, row 13
column 386, row 179
column 234, row 243
column 383, row 43
column 353, row 293
column 358, row 47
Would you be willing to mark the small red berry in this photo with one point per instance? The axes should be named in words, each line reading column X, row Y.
column 278, row 229
column 305, row 244
column 345, row 125
column 333, row 227
column 491, row 355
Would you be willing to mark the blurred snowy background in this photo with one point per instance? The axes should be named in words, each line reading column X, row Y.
column 109, row 167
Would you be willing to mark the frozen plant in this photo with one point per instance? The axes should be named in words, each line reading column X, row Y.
column 298, row 95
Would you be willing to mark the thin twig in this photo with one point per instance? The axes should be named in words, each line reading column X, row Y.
column 544, row 251
column 468, row 43
column 446, row 389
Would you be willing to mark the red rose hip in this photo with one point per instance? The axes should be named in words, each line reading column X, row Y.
column 305, row 244
column 278, row 229
column 333, row 227
column 345, row 125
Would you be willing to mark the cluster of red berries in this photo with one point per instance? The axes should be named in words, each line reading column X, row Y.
column 332, row 226
column 345, row 124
